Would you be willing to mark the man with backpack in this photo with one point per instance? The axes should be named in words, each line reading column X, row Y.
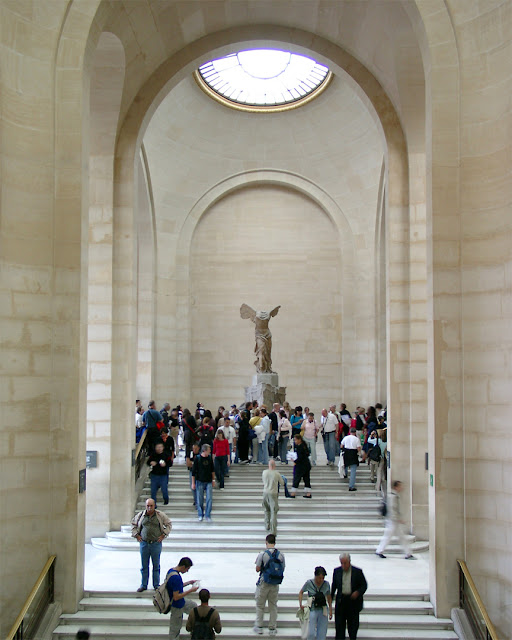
column 270, row 564
column 178, row 604
column 204, row 621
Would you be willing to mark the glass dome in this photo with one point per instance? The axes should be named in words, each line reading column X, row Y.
column 263, row 79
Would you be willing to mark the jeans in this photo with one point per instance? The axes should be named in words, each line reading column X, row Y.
column 352, row 479
column 272, row 444
column 330, row 446
column 312, row 445
column 150, row 550
column 263, row 451
column 283, row 448
column 221, row 468
column 190, row 484
column 317, row 629
column 201, row 488
column 159, row 482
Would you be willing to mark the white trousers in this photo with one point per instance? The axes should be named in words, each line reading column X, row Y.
column 394, row 528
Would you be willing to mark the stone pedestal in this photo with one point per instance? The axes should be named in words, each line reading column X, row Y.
column 266, row 390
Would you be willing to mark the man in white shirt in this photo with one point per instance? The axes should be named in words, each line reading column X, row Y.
column 329, row 426
column 351, row 447
column 229, row 434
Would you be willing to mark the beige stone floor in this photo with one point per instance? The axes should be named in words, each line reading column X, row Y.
column 224, row 571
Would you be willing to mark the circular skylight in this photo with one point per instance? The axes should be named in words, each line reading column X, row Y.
column 263, row 79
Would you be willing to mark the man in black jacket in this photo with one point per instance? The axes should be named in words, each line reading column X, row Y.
column 203, row 479
column 347, row 589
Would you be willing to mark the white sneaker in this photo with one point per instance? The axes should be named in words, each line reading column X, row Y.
column 258, row 630
column 272, row 632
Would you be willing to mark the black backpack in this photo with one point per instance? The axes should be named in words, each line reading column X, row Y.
column 383, row 508
column 375, row 454
column 202, row 629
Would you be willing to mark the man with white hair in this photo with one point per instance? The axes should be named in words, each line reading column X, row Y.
column 347, row 589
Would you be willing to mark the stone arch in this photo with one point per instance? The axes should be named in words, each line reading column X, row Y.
column 77, row 31
column 378, row 104
column 233, row 183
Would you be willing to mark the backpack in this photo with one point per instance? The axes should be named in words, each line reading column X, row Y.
column 273, row 571
column 161, row 599
column 202, row 629
column 375, row 453
column 319, row 600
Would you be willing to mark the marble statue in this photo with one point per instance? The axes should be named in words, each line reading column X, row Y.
column 263, row 346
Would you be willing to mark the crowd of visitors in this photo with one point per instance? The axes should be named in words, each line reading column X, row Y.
column 250, row 434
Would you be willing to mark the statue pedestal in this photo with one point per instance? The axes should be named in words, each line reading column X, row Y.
column 266, row 390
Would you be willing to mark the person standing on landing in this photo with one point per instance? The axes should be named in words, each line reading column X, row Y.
column 150, row 527
column 267, row 587
column 394, row 523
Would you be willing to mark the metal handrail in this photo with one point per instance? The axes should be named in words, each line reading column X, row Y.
column 17, row 628
column 465, row 575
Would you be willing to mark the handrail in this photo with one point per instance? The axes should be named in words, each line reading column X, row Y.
column 140, row 455
column 490, row 629
column 141, row 444
column 19, row 620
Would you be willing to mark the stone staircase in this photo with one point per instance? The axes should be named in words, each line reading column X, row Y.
column 334, row 519
column 116, row 616
column 348, row 520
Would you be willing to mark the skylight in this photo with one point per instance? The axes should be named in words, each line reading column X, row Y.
column 263, row 79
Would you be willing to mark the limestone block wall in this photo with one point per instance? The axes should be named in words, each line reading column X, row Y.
column 485, row 36
column 43, row 325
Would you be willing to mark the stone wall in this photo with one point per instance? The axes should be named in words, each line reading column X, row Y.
column 266, row 246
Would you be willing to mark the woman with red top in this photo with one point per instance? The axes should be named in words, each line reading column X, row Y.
column 220, row 457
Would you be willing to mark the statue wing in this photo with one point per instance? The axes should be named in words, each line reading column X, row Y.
column 274, row 311
column 246, row 312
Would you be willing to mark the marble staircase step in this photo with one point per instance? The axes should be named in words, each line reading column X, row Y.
column 232, row 603
column 292, row 546
column 123, row 632
column 245, row 617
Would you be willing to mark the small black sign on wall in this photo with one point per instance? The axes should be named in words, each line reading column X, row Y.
column 81, row 481
column 91, row 459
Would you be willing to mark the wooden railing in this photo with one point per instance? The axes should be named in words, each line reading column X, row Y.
column 41, row 596
column 141, row 453
column 473, row 606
